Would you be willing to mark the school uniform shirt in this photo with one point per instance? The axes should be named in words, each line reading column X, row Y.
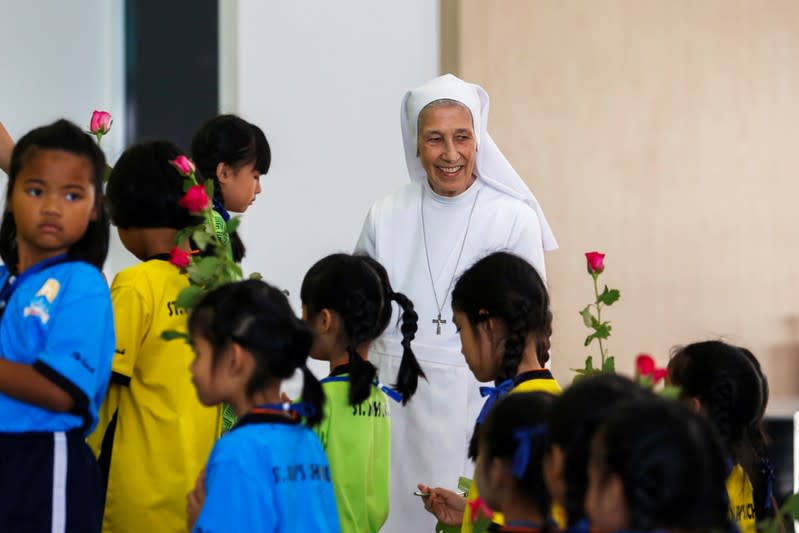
column 268, row 474
column 154, row 435
column 742, row 502
column 533, row 381
column 357, row 441
column 59, row 320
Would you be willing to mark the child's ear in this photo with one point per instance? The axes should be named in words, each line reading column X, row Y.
column 326, row 321
column 223, row 172
column 238, row 360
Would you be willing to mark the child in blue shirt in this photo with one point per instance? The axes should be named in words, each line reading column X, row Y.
column 56, row 332
column 269, row 473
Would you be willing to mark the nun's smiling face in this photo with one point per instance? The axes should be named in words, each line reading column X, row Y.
column 447, row 148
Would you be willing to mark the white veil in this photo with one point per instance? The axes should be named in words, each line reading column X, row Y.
column 491, row 166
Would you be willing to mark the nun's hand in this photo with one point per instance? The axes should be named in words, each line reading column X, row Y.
column 6, row 147
column 446, row 505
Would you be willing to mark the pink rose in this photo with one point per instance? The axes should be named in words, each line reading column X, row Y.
column 644, row 364
column 184, row 165
column 596, row 262
column 179, row 258
column 100, row 123
column 195, row 199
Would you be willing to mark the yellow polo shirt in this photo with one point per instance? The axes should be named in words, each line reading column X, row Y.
column 153, row 436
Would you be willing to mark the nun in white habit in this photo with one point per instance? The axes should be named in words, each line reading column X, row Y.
column 464, row 201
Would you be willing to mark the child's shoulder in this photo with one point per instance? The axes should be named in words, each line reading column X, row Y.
column 76, row 275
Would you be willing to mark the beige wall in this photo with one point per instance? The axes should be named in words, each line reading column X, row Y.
column 666, row 134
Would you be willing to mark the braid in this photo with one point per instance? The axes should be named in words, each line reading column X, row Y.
column 409, row 370
column 517, row 321
column 543, row 343
column 362, row 376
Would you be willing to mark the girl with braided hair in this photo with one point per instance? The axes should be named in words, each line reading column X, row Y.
column 657, row 466
column 347, row 302
column 501, row 310
column 725, row 383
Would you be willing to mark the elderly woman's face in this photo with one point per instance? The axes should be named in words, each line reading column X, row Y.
column 447, row 148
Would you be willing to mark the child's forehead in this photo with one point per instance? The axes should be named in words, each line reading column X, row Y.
column 56, row 164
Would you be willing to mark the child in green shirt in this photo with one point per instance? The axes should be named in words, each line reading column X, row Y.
column 346, row 301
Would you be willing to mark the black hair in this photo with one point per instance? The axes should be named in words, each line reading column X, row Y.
column 505, row 286
column 728, row 382
column 357, row 289
column 258, row 317
column 576, row 415
column 92, row 247
column 671, row 463
column 523, row 410
column 234, row 141
column 144, row 188
column 508, row 288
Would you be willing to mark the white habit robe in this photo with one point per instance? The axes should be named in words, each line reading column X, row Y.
column 430, row 435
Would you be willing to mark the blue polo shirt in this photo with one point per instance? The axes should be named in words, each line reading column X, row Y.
column 268, row 474
column 59, row 320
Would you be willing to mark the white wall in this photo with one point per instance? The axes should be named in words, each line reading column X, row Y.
column 324, row 81
column 63, row 59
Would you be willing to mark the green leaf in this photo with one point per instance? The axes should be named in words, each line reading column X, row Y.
column 232, row 224
column 189, row 297
column 609, row 365
column 107, row 173
column 183, row 235
column 171, row 335
column 670, row 392
column 589, row 338
column 587, row 316
column 256, row 275
column 209, row 188
column 791, row 507
column 187, row 184
column 609, row 296
column 209, row 266
column 201, row 239
column 602, row 331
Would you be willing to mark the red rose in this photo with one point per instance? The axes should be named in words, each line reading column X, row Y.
column 195, row 199
column 645, row 364
column 183, row 164
column 179, row 258
column 596, row 262
column 659, row 375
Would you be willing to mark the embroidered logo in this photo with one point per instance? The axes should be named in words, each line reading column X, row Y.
column 40, row 305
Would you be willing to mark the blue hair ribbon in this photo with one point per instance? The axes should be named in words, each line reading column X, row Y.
column 494, row 394
column 391, row 393
column 524, row 448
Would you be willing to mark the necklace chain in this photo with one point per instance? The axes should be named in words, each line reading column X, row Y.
column 440, row 307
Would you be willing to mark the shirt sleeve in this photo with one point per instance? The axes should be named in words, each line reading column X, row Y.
column 132, row 318
column 235, row 502
column 74, row 355
column 525, row 239
column 366, row 242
